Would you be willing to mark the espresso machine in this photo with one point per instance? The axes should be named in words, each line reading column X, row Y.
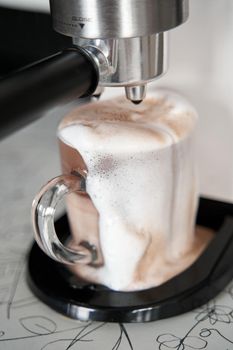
column 116, row 43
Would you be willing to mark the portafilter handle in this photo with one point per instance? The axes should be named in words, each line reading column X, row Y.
column 26, row 94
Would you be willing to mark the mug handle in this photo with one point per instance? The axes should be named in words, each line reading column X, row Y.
column 43, row 211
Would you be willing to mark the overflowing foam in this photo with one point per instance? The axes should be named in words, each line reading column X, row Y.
column 114, row 137
column 141, row 179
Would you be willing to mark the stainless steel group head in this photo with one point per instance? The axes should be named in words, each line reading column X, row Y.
column 127, row 38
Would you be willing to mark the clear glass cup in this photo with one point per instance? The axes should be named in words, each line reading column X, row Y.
column 130, row 182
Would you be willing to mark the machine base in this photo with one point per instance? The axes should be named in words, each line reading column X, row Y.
column 203, row 280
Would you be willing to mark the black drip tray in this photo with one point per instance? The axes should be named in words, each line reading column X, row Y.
column 203, row 280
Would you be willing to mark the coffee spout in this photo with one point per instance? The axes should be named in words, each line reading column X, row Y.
column 98, row 92
column 135, row 94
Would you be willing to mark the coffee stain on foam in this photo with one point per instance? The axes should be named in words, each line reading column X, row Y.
column 155, row 106
column 149, row 261
column 162, row 267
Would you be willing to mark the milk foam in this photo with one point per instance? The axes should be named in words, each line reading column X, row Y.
column 140, row 178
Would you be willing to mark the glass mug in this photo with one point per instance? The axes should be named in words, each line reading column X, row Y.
column 130, row 183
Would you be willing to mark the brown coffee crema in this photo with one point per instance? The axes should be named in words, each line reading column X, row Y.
column 141, row 201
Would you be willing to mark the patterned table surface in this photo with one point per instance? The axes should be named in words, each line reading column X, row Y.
column 27, row 160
